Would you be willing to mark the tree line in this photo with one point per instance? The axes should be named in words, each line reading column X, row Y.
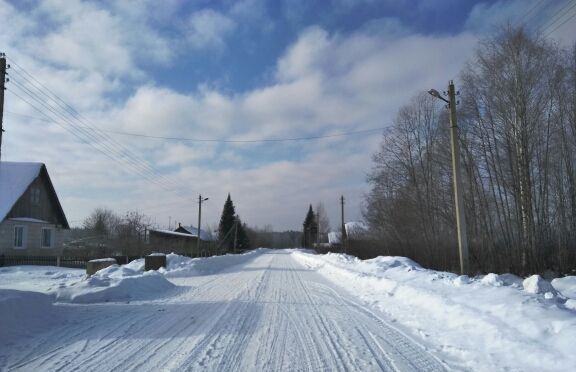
column 105, row 232
column 517, row 119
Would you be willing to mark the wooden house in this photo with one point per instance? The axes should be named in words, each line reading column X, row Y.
column 183, row 240
column 32, row 221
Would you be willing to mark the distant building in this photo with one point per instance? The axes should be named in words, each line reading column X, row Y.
column 204, row 235
column 354, row 231
column 182, row 241
column 32, row 221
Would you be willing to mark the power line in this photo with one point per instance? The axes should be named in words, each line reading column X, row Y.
column 74, row 131
column 525, row 15
column 557, row 16
column 562, row 24
column 87, row 137
column 289, row 139
column 96, row 133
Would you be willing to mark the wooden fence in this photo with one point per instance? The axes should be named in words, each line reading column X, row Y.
column 63, row 261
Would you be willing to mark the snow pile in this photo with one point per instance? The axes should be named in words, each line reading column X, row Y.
column 37, row 278
column 535, row 284
column 17, row 308
column 183, row 266
column 566, row 286
column 492, row 279
column 114, row 283
column 494, row 322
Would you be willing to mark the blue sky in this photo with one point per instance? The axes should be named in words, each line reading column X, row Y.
column 232, row 70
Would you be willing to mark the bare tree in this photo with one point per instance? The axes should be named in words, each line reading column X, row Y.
column 102, row 222
column 518, row 140
column 323, row 222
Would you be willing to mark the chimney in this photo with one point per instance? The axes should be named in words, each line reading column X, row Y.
column 179, row 225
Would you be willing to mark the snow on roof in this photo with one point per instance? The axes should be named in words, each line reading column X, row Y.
column 334, row 237
column 193, row 230
column 355, row 227
column 15, row 177
column 27, row 219
column 203, row 234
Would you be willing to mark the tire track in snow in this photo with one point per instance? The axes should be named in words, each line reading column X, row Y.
column 267, row 314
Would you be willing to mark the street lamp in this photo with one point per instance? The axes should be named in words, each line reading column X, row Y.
column 200, row 201
column 455, row 147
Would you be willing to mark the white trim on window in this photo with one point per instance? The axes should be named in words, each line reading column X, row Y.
column 19, row 237
column 47, row 235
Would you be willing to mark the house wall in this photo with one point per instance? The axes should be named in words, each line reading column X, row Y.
column 167, row 244
column 42, row 207
column 32, row 239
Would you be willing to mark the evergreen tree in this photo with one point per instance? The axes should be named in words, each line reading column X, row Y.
column 226, row 224
column 310, row 229
column 242, row 240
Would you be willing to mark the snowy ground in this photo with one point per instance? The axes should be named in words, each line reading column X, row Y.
column 282, row 310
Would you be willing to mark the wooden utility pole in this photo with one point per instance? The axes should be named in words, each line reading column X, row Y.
column 235, row 233
column 343, row 237
column 457, row 179
column 200, row 200
column 456, row 176
column 2, row 88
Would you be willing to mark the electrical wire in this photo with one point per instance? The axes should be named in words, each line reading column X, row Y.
column 95, row 132
column 557, row 16
column 561, row 24
column 263, row 140
column 86, row 137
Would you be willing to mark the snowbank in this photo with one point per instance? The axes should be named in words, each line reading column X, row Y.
column 495, row 322
column 182, row 266
column 114, row 283
column 179, row 266
column 37, row 278
column 566, row 286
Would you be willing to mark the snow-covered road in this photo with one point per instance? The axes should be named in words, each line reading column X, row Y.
column 267, row 314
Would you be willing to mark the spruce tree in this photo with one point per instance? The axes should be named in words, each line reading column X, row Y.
column 310, row 229
column 242, row 240
column 226, row 224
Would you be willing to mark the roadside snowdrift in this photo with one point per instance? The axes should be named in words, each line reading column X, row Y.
column 115, row 283
column 495, row 322
column 182, row 266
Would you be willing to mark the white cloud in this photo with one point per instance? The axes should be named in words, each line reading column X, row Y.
column 207, row 29
column 324, row 83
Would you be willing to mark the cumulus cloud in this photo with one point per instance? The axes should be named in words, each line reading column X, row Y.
column 324, row 82
column 207, row 29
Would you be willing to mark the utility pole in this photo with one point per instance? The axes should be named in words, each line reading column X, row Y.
column 2, row 88
column 457, row 179
column 235, row 234
column 317, row 231
column 200, row 200
column 456, row 176
column 343, row 238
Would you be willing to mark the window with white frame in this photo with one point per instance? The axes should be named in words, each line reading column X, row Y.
column 47, row 237
column 19, row 237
